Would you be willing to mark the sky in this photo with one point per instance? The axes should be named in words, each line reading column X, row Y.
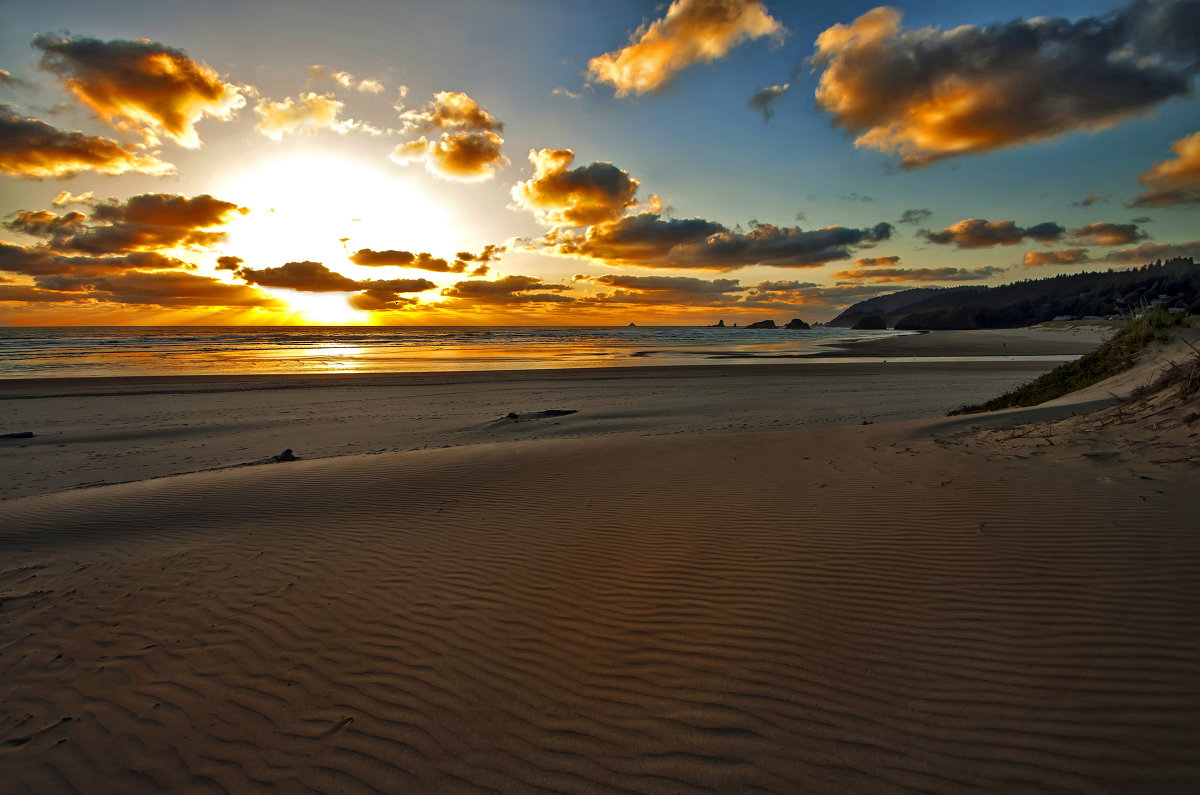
column 558, row 162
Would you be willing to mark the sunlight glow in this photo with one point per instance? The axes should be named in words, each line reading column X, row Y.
column 314, row 206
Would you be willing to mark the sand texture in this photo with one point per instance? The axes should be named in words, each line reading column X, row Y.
column 917, row 605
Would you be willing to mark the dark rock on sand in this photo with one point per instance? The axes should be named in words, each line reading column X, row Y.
column 286, row 455
column 18, row 435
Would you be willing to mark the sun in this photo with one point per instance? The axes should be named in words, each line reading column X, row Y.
column 322, row 207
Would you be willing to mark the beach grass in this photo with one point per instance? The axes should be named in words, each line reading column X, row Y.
column 1113, row 357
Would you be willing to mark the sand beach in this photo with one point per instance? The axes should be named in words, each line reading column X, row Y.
column 785, row 577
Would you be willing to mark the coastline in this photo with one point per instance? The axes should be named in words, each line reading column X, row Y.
column 689, row 584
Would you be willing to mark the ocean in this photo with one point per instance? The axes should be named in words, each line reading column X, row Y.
column 105, row 351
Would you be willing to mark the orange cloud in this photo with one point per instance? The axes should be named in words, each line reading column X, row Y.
column 980, row 233
column 42, row 261
column 577, row 197
column 140, row 85
column 468, row 150
column 876, row 262
column 450, row 110
column 31, row 148
column 928, row 94
column 692, row 31
column 1149, row 252
column 1067, row 256
column 1107, row 234
column 919, row 274
column 65, row 197
column 460, row 156
column 1175, row 181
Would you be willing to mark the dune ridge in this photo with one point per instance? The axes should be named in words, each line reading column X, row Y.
column 836, row 609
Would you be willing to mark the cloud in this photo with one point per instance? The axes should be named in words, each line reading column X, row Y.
column 1149, row 252
column 929, row 94
column 367, row 85
column 765, row 98
column 450, row 110
column 308, row 113
column 139, row 287
column 7, row 80
column 916, row 215
column 34, row 149
column 920, row 274
column 314, row 277
column 460, row 156
column 140, row 85
column 692, row 31
column 1067, row 256
column 650, row 241
column 468, row 149
column 427, row 262
column 65, row 197
column 666, row 290
column 307, row 276
column 876, row 262
column 1175, row 181
column 509, row 290
column 1089, row 200
column 978, row 233
column 229, row 263
column 146, row 222
column 1106, row 234
column 42, row 261
column 581, row 196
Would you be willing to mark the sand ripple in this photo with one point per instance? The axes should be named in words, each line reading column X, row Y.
column 762, row 611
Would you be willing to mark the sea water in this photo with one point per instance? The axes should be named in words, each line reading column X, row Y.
column 100, row 351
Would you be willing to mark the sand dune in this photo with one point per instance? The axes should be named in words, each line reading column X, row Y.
column 842, row 609
column 942, row 605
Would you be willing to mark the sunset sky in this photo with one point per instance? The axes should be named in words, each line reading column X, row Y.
column 559, row 162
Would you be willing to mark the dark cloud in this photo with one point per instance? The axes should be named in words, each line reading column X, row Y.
column 161, row 288
column 40, row 260
column 427, row 262
column 1175, row 181
column 34, row 149
column 919, row 274
column 140, row 85
column 1089, row 200
column 979, row 233
column 915, row 216
column 229, row 263
column 373, row 295
column 765, row 98
column 1106, row 234
column 145, row 222
column 559, row 195
column 876, row 262
column 1149, row 252
column 650, row 241
column 509, row 290
column 691, row 31
column 856, row 197
column 928, row 94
